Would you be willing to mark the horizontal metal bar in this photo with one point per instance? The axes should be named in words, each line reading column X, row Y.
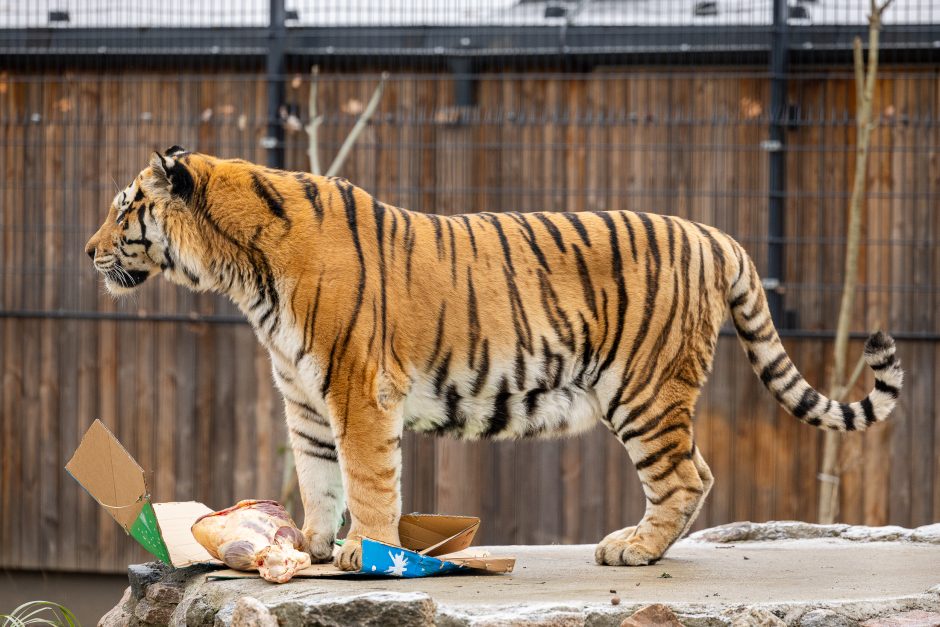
column 119, row 316
column 801, row 334
column 410, row 45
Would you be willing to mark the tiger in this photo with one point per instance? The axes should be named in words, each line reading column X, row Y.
column 483, row 326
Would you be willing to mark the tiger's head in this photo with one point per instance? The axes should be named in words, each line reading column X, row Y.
column 136, row 239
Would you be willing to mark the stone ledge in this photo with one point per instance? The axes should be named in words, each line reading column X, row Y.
column 795, row 530
column 742, row 574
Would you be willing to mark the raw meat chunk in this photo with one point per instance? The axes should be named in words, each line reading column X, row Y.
column 255, row 535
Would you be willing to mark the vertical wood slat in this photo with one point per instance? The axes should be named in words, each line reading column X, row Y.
column 29, row 503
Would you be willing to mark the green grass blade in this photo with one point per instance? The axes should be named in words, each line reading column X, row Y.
column 30, row 614
column 11, row 621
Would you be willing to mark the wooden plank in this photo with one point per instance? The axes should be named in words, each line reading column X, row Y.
column 220, row 463
column 13, row 453
column 913, row 175
column 51, row 456
column 502, row 506
column 30, row 258
column 458, row 474
column 420, row 450
column 107, row 366
column 745, row 435
column 597, row 152
column 30, row 503
column 572, row 512
column 591, row 453
column 805, row 497
column 876, row 263
column 899, row 502
column 571, row 168
column 166, row 374
column 6, row 430
column 187, row 412
column 124, row 390
column 86, row 522
column 268, row 415
column 785, row 450
column 50, row 459
column 240, row 420
column 203, row 409
column 935, row 458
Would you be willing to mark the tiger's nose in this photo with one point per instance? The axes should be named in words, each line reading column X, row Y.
column 90, row 250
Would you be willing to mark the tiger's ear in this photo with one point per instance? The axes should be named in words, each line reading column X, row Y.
column 171, row 178
column 174, row 150
column 161, row 166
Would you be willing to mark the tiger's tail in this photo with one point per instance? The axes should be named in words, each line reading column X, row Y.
column 751, row 316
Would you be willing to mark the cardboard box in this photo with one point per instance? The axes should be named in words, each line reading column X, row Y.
column 431, row 544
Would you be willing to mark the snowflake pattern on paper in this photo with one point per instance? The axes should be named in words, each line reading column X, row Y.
column 399, row 564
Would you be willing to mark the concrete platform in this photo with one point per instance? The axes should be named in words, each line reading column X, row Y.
column 704, row 582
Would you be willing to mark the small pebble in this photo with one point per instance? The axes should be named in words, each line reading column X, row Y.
column 613, row 591
column 615, row 600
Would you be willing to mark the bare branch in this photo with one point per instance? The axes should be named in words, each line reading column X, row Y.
column 859, row 71
column 881, row 9
column 315, row 120
column 839, row 394
column 358, row 127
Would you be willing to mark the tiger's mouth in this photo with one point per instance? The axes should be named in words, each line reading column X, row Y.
column 127, row 278
column 117, row 278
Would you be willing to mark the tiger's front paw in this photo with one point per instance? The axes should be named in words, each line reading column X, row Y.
column 320, row 547
column 349, row 555
column 625, row 548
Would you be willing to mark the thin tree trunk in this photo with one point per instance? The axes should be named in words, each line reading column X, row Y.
column 864, row 89
column 358, row 127
column 315, row 120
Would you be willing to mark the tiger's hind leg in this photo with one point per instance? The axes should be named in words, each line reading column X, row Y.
column 658, row 438
column 708, row 480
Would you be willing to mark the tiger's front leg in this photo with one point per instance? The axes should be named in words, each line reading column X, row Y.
column 369, row 446
column 318, row 476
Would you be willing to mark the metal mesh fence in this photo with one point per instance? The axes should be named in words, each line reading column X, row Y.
column 738, row 114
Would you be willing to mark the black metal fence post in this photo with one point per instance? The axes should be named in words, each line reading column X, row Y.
column 273, row 140
column 776, row 145
column 464, row 84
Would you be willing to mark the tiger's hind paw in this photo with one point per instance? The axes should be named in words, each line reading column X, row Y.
column 624, row 548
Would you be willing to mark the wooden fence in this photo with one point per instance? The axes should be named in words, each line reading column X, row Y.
column 189, row 392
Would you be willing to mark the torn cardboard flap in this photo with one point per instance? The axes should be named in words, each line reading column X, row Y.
column 437, row 534
column 109, row 474
column 113, row 478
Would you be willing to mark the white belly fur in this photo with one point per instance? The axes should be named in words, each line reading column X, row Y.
column 560, row 411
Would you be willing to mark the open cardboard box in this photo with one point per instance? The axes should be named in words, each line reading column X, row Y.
column 431, row 544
